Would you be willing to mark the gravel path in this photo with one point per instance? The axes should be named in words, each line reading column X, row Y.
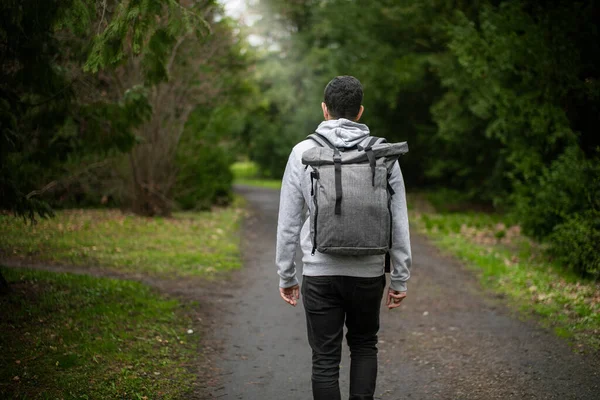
column 449, row 340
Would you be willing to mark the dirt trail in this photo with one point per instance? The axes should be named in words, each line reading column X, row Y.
column 450, row 340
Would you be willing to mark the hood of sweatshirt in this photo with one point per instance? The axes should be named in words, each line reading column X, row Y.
column 343, row 132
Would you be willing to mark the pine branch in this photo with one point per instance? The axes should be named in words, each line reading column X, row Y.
column 68, row 180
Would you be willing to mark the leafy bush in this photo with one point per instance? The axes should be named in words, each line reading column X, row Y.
column 271, row 149
column 563, row 207
column 203, row 178
column 576, row 243
column 209, row 145
column 565, row 188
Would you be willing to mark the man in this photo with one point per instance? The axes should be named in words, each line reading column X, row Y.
column 339, row 289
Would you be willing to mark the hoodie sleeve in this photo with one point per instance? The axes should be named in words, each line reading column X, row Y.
column 400, row 252
column 289, row 222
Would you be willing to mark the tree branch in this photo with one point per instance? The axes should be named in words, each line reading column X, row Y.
column 69, row 179
column 102, row 17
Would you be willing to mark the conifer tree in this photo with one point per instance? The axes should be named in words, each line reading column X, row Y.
column 55, row 107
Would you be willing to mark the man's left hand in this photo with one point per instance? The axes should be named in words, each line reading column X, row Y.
column 394, row 298
column 290, row 295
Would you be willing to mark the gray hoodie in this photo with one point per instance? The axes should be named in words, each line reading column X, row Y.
column 295, row 194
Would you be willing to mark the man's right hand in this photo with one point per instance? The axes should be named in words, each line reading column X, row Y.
column 394, row 298
column 290, row 295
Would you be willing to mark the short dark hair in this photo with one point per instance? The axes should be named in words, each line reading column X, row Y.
column 343, row 97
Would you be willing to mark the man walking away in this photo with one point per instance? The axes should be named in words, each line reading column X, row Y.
column 339, row 289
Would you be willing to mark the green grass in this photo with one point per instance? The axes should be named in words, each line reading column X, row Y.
column 514, row 265
column 245, row 170
column 187, row 244
column 266, row 183
column 65, row 336
column 248, row 173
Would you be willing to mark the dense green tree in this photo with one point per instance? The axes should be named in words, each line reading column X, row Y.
column 391, row 46
column 97, row 94
column 56, row 109
column 499, row 100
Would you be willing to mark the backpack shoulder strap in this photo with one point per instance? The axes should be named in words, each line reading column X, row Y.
column 371, row 141
column 388, row 261
column 367, row 146
column 380, row 140
column 337, row 161
column 321, row 140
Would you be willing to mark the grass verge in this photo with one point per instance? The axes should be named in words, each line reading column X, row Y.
column 77, row 337
column 512, row 264
column 248, row 173
column 266, row 183
column 187, row 244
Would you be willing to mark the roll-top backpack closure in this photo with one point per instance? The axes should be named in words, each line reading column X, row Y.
column 318, row 156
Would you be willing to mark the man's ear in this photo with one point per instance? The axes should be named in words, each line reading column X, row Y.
column 325, row 112
column 359, row 113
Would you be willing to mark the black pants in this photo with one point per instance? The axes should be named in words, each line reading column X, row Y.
column 329, row 301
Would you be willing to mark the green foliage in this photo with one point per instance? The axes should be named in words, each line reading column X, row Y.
column 124, row 116
column 245, row 170
column 571, row 185
column 271, row 147
column 203, row 177
column 451, row 200
column 85, row 81
column 576, row 241
column 35, row 98
column 51, row 112
column 154, row 62
column 209, row 145
column 76, row 336
column 389, row 48
column 499, row 100
column 517, row 105
column 153, row 26
column 248, row 173
column 563, row 206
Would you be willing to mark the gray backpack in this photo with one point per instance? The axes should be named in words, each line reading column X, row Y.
column 351, row 213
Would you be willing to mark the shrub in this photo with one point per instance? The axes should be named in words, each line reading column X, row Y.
column 571, row 185
column 563, row 208
column 203, row 177
column 270, row 150
column 576, row 243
